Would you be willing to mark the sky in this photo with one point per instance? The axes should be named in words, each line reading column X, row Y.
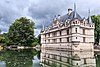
column 42, row 11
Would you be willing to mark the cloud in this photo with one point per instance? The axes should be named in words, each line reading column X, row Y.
column 42, row 11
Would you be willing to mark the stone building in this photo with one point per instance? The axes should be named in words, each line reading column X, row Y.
column 70, row 32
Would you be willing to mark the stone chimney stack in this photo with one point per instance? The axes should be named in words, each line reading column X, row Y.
column 69, row 11
column 58, row 16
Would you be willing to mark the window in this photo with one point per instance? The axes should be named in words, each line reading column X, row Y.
column 49, row 41
column 54, row 33
column 76, row 30
column 83, row 39
column 60, row 40
column 60, row 33
column 68, row 32
column 49, row 35
column 76, row 22
column 76, row 37
column 46, row 35
column 60, row 58
column 83, row 31
column 67, row 39
column 54, row 40
column 84, row 60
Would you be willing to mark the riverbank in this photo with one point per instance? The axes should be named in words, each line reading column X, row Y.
column 16, row 47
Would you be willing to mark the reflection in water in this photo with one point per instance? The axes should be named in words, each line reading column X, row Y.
column 57, row 58
column 17, row 58
column 36, row 62
column 98, row 61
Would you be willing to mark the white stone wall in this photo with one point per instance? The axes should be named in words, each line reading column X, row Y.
column 64, row 39
column 81, row 31
column 51, row 34
column 58, row 33
column 74, row 29
column 84, row 47
column 64, row 32
column 89, row 39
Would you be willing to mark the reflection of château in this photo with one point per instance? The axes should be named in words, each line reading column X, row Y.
column 68, row 33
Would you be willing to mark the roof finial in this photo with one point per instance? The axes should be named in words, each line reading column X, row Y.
column 74, row 6
column 74, row 10
column 43, row 27
column 89, row 12
column 89, row 17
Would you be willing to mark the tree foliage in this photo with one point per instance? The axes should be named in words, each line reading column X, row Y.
column 96, row 20
column 2, row 38
column 18, row 58
column 21, row 32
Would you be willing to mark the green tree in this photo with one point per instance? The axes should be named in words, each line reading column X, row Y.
column 96, row 20
column 21, row 32
column 2, row 38
column 18, row 58
column 36, row 42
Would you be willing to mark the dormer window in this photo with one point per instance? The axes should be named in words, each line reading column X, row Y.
column 76, row 22
column 73, row 22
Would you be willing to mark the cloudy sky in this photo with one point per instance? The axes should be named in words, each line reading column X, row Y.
column 42, row 10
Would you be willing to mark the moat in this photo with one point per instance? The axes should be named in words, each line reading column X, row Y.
column 19, row 58
column 31, row 58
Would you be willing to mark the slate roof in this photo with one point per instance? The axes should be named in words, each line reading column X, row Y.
column 89, row 20
column 73, row 15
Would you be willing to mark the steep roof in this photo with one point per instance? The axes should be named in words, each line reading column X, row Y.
column 73, row 15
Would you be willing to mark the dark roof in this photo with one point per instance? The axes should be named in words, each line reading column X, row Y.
column 89, row 20
column 73, row 15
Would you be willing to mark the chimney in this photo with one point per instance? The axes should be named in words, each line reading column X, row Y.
column 58, row 16
column 69, row 11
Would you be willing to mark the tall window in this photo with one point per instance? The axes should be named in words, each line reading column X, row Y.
column 45, row 35
column 76, row 30
column 49, row 41
column 83, row 39
column 67, row 31
column 54, row 34
column 83, row 31
column 49, row 35
column 54, row 40
column 60, row 40
column 60, row 33
column 60, row 58
column 67, row 39
column 84, row 60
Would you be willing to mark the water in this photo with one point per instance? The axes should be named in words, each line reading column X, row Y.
column 50, row 58
column 55, row 58
column 19, row 58
column 98, row 61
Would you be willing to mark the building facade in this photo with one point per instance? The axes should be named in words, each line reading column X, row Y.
column 70, row 32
